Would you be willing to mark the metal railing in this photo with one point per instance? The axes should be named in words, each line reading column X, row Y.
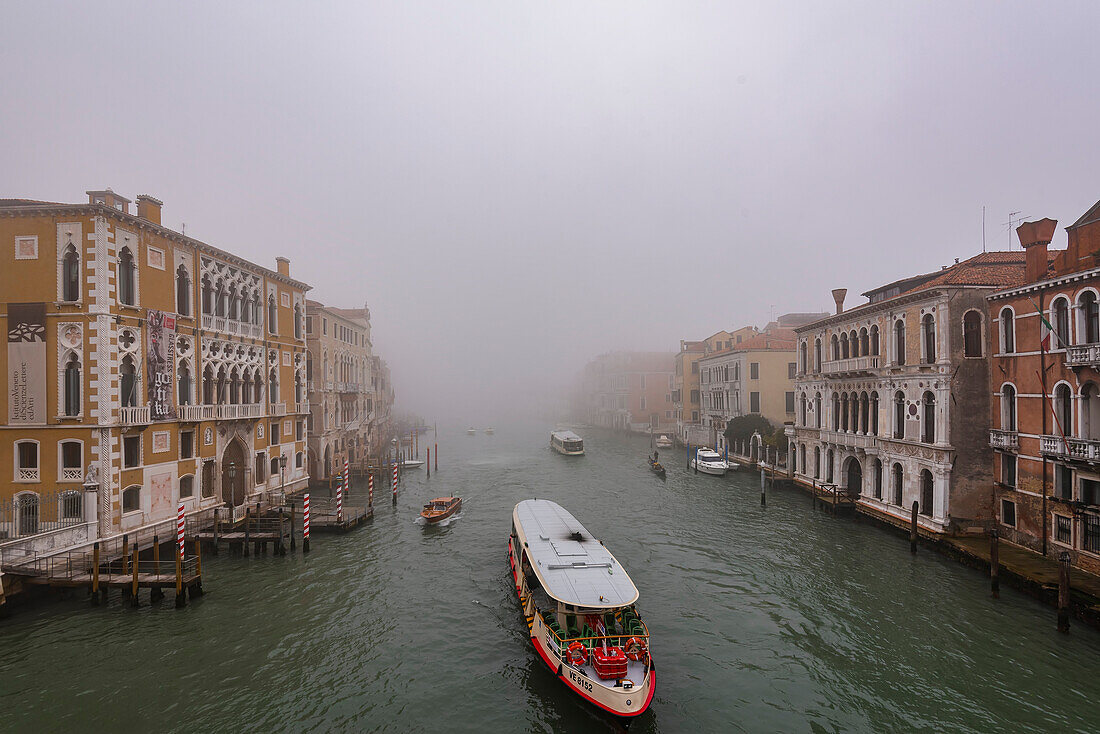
column 36, row 513
column 1006, row 440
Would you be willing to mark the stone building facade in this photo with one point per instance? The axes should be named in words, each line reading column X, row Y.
column 1045, row 412
column 630, row 391
column 145, row 368
column 890, row 396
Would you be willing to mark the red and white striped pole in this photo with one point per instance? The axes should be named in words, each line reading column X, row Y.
column 179, row 529
column 395, row 482
column 370, row 490
column 347, row 476
column 305, row 523
column 339, row 497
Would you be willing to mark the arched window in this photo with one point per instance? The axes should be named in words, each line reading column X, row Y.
column 802, row 408
column 234, row 387
column 874, row 413
column 1090, row 412
column 928, row 404
column 876, row 478
column 183, row 383
column 864, row 343
column 802, row 358
column 1088, row 329
column 297, row 322
column 928, row 329
column 817, row 410
column 1008, row 407
column 802, row 457
column 844, row 350
column 817, row 462
column 126, row 289
column 817, row 356
column 256, row 307
column 129, row 382
column 131, row 498
column 272, row 313
column 829, row 466
column 274, row 467
column 1008, row 331
column 299, row 460
column 221, row 386
column 836, row 347
column 836, row 411
column 853, row 343
column 298, row 387
column 1059, row 316
column 187, row 486
column 897, row 481
column 246, row 307
column 208, row 385
column 874, row 340
column 1063, row 408
column 70, row 275
column 207, row 296
column 899, row 342
column 273, row 387
column 72, row 461
column 72, row 386
column 183, row 291
column 864, row 409
column 899, row 414
column 234, row 303
column 844, row 412
column 926, row 492
column 972, row 334
column 26, row 513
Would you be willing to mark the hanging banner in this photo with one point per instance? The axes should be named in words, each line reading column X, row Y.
column 159, row 365
column 27, row 363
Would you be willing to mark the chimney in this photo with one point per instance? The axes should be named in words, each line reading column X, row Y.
column 283, row 265
column 148, row 208
column 1034, row 237
column 838, row 297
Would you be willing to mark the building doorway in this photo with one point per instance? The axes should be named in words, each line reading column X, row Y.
column 854, row 477
column 233, row 471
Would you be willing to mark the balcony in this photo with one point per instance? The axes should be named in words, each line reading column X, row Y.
column 278, row 408
column 231, row 326
column 195, row 413
column 1083, row 355
column 1080, row 449
column 1004, row 440
column 849, row 440
column 851, row 366
column 134, row 416
column 235, row 412
column 302, row 406
column 352, row 387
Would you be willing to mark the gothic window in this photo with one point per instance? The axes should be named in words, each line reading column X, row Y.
column 928, row 327
column 183, row 291
column 899, row 342
column 1059, row 313
column 929, row 407
column 72, row 386
column 129, row 383
column 70, row 275
column 126, row 277
column 183, row 380
column 1008, row 331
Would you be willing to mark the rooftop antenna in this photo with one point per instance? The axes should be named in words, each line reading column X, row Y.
column 183, row 228
column 983, row 229
column 1011, row 224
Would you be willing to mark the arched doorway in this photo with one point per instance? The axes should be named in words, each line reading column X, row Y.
column 854, row 477
column 233, row 471
column 328, row 462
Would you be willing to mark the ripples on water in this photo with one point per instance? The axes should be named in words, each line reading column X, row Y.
column 771, row 618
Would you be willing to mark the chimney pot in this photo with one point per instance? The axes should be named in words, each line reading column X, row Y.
column 283, row 266
column 148, row 208
column 838, row 297
column 1034, row 237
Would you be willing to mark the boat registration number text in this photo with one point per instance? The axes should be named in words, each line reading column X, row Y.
column 580, row 680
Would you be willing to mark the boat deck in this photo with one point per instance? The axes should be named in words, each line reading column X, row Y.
column 635, row 671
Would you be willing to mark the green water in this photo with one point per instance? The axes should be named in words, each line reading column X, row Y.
column 763, row 619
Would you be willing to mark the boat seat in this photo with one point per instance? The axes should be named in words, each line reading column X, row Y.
column 587, row 631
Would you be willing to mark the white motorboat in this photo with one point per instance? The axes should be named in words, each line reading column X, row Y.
column 471, row 431
column 709, row 461
column 663, row 442
column 411, row 464
column 489, row 431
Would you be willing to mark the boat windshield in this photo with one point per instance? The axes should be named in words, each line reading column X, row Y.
column 573, row 445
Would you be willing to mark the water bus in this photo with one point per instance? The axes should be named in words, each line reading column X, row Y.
column 663, row 442
column 709, row 461
column 578, row 602
column 567, row 442
column 440, row 509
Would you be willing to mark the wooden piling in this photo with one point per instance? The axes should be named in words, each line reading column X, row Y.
column 428, row 463
column 155, row 593
column 95, row 573
column 763, row 499
column 125, row 554
column 196, row 589
column 134, row 588
column 247, row 528
column 279, row 547
column 437, row 458
column 181, row 597
column 216, row 521
column 913, row 528
column 994, row 563
column 293, row 544
column 1063, row 592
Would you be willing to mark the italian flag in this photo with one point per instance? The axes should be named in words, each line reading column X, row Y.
column 1046, row 331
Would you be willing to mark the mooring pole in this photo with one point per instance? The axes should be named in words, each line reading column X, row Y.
column 125, row 554
column 196, row 589
column 181, row 598
column 994, row 563
column 247, row 523
column 95, row 574
column 913, row 528
column 292, row 542
column 437, row 458
column 134, row 588
column 280, row 547
column 155, row 592
column 763, row 499
column 305, row 523
column 1063, row 592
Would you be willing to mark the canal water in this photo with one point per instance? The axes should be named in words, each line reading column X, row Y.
column 775, row 618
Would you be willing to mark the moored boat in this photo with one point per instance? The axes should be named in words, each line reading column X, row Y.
column 471, row 431
column 579, row 605
column 567, row 442
column 709, row 461
column 663, row 442
column 411, row 464
column 489, row 431
column 440, row 509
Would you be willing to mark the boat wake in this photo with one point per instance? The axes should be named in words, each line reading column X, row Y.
column 441, row 524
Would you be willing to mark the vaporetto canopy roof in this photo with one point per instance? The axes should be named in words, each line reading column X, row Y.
column 572, row 566
column 566, row 436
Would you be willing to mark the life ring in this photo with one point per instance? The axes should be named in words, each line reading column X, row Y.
column 635, row 648
column 577, row 653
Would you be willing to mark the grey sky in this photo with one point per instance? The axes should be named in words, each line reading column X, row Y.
column 515, row 187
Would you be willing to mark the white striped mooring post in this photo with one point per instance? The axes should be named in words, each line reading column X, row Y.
column 179, row 529
column 305, row 523
column 339, row 497
column 370, row 489
column 347, row 477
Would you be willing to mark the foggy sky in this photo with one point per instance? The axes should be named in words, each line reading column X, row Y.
column 515, row 187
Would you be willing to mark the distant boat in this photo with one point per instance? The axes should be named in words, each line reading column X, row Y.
column 471, row 431
column 489, row 431
column 657, row 468
column 567, row 442
column 709, row 462
column 411, row 464
column 440, row 509
column 663, row 442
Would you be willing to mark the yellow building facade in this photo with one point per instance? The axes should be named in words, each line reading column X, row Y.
column 144, row 369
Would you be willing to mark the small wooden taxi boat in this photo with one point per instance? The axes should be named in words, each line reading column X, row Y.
column 578, row 602
column 440, row 509
column 663, row 442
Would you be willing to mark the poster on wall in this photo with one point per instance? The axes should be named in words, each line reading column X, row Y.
column 159, row 361
column 27, row 363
